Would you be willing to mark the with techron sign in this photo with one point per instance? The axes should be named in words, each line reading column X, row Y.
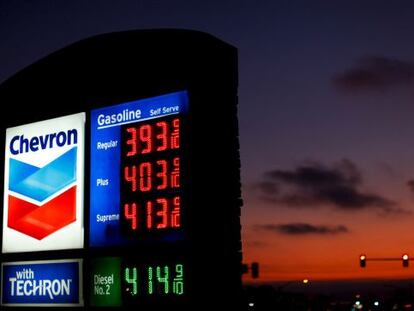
column 42, row 283
column 43, row 185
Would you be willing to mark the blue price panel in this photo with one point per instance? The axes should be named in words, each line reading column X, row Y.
column 107, row 188
column 42, row 283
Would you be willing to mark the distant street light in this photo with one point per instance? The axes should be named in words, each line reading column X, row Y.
column 358, row 305
column 405, row 260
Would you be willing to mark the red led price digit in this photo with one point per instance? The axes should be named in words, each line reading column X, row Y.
column 130, row 212
column 145, row 135
column 163, row 213
column 141, row 140
column 162, row 175
column 166, row 175
column 160, row 214
column 132, row 142
column 149, row 174
column 162, row 137
column 175, row 174
column 163, row 203
column 145, row 174
column 175, row 214
column 130, row 175
column 175, row 135
column 149, row 214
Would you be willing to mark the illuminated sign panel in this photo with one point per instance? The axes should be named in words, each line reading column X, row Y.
column 153, row 280
column 106, row 282
column 116, row 281
column 137, row 170
column 42, row 283
column 43, row 185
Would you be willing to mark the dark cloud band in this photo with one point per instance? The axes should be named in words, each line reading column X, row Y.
column 375, row 73
column 314, row 184
column 303, row 229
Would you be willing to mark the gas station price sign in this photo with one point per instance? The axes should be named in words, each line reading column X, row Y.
column 151, row 180
column 138, row 171
column 117, row 281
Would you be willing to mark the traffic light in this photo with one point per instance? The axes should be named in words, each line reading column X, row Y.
column 255, row 270
column 405, row 260
column 362, row 261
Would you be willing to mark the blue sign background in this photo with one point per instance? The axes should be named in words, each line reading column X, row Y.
column 105, row 161
column 35, row 272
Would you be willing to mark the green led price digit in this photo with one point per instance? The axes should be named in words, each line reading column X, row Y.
column 159, row 280
column 162, row 275
column 132, row 280
column 178, row 282
column 150, row 281
column 165, row 279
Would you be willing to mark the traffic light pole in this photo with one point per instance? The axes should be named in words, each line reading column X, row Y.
column 384, row 259
column 254, row 268
column 405, row 260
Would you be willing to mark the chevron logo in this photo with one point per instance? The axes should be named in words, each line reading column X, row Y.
column 44, row 185
column 42, row 200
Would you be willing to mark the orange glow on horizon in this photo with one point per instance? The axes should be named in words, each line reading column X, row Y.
column 332, row 257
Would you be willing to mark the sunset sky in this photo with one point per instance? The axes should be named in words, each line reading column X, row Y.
column 326, row 113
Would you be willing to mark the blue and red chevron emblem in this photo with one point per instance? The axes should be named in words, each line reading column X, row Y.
column 42, row 200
